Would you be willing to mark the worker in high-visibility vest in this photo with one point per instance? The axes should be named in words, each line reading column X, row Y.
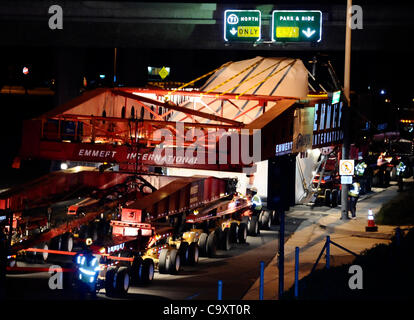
column 400, row 174
column 256, row 201
column 360, row 168
column 3, row 263
column 353, row 195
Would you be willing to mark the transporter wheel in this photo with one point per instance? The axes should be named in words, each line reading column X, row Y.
column 110, row 281
column 163, row 261
column 93, row 232
column 253, row 227
column 202, row 244
column 56, row 243
column 83, row 232
column 184, row 252
column 327, row 200
column 266, row 222
column 43, row 255
column 122, row 281
column 393, row 174
column 260, row 219
column 375, row 181
column 136, row 269
column 274, row 217
column 37, row 257
column 242, row 233
column 146, row 271
column 211, row 245
column 233, row 232
column 225, row 239
column 67, row 242
column 193, row 254
column 174, row 262
column 334, row 198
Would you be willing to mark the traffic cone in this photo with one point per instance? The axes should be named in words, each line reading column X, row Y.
column 371, row 222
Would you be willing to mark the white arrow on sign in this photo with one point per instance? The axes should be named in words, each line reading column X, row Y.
column 233, row 31
column 308, row 32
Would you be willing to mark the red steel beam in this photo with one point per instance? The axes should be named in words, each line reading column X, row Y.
column 217, row 95
column 162, row 123
column 169, row 105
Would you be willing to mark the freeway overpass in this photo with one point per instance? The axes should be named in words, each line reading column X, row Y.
column 191, row 25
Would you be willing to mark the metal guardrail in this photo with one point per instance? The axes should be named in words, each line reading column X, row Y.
column 327, row 249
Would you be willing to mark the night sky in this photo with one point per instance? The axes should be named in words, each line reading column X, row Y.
column 383, row 69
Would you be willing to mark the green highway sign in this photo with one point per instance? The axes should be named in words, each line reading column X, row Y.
column 336, row 96
column 242, row 25
column 296, row 26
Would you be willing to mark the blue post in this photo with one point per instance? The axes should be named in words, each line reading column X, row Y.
column 296, row 272
column 328, row 251
column 220, row 290
column 397, row 235
column 261, row 280
column 281, row 253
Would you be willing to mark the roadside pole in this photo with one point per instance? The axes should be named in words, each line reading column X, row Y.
column 346, row 113
column 281, row 253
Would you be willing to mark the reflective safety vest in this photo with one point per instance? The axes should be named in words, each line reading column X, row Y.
column 257, row 202
column 401, row 168
column 360, row 168
column 354, row 190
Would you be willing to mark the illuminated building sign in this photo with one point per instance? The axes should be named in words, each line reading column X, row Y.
column 242, row 25
column 327, row 124
column 296, row 26
column 284, row 148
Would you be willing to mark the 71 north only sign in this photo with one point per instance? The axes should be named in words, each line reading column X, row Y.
column 242, row 25
column 296, row 25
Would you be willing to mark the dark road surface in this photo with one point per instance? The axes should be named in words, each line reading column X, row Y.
column 238, row 268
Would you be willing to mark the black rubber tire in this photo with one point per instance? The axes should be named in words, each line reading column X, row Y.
column 146, row 271
column 122, row 281
column 211, row 245
column 55, row 243
column 242, row 232
column 260, row 216
column 234, row 226
column 253, row 227
column 93, row 232
column 339, row 197
column 184, row 252
column 136, row 269
column 44, row 255
column 375, row 181
column 193, row 254
column 163, row 261
column 334, row 198
column 224, row 241
column 327, row 200
column 83, row 232
column 110, row 278
column 202, row 244
column 67, row 242
column 174, row 261
column 274, row 216
column 266, row 222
